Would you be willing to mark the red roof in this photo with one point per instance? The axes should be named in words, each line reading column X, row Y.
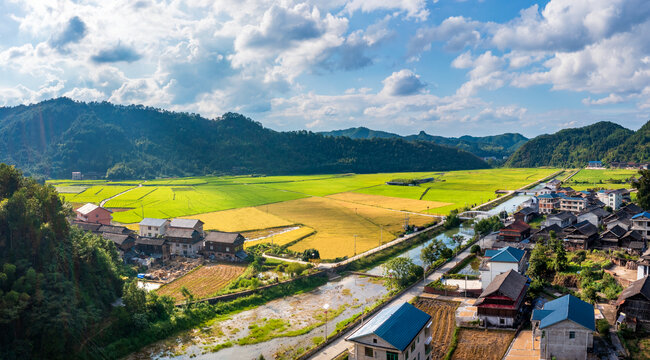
column 517, row 226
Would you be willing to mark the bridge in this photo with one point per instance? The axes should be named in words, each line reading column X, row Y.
column 474, row 214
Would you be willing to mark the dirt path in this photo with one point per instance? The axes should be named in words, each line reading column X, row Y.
column 116, row 195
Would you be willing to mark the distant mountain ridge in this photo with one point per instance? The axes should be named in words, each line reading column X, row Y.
column 55, row 137
column 484, row 146
column 604, row 141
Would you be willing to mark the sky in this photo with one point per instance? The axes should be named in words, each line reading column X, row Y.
column 447, row 67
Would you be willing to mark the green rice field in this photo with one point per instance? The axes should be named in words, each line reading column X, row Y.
column 606, row 178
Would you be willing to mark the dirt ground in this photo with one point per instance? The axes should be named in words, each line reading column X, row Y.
column 522, row 347
column 623, row 275
column 482, row 344
column 442, row 316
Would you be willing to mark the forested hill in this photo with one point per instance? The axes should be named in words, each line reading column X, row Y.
column 55, row 137
column 604, row 141
column 483, row 146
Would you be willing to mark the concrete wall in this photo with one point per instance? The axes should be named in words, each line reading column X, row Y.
column 380, row 347
column 185, row 249
column 556, row 341
column 496, row 321
column 496, row 268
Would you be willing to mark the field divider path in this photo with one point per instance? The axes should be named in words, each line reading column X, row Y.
column 103, row 202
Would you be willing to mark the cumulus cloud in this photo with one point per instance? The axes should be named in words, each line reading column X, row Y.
column 116, row 54
column 74, row 31
column 611, row 99
column 413, row 8
column 402, row 83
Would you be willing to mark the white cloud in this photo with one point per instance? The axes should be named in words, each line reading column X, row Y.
column 402, row 83
column 413, row 8
column 611, row 99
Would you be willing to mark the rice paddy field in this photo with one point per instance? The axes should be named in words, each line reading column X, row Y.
column 323, row 211
column 606, row 178
column 203, row 282
column 282, row 236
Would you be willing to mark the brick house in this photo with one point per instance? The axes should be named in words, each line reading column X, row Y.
column 92, row 213
column 515, row 232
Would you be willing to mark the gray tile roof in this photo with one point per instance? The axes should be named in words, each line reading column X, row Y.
column 185, row 223
column 153, row 222
column 509, row 284
column 223, row 237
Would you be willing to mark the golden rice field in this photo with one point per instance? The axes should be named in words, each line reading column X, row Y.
column 240, row 220
column 284, row 237
column 336, row 223
column 203, row 282
column 389, row 202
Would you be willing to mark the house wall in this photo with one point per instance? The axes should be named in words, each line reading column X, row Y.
column 98, row 216
column 642, row 225
column 496, row 321
column 496, row 268
column 555, row 341
column 642, row 271
column 381, row 347
column 184, row 249
column 591, row 217
column 153, row 231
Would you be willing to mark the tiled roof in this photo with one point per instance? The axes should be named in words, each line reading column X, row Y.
column 152, row 222
column 509, row 284
column 641, row 286
column 568, row 307
column 518, row 225
column 562, row 215
column 506, row 254
column 180, row 233
column 185, row 223
column 397, row 325
column 88, row 208
column 222, row 237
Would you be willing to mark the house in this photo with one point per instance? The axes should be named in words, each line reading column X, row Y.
column 184, row 241
column 611, row 198
column 544, row 191
column 632, row 209
column 543, row 235
column 187, row 224
column 92, row 227
column 611, row 238
column 633, row 242
column 525, row 214
column 224, row 246
column 595, row 165
column 581, row 236
column 123, row 242
column 517, row 231
column 566, row 191
column 121, row 236
column 500, row 304
column 643, row 265
column 153, row 247
column 532, row 203
column 574, row 204
column 641, row 223
column 549, row 202
column 565, row 328
column 395, row 333
column 554, row 184
column 633, row 304
column 499, row 261
column 153, row 227
column 620, row 218
column 94, row 214
column 593, row 214
column 76, row 175
column 562, row 219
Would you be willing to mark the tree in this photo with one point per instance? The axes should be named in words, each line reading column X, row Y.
column 538, row 264
column 486, row 226
column 134, row 298
column 560, row 261
column 310, row 254
column 452, row 220
column 400, row 271
column 643, row 189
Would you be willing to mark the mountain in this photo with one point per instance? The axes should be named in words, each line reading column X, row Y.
column 497, row 146
column 636, row 147
column 55, row 137
column 575, row 147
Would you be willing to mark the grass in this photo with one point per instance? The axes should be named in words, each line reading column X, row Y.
column 203, row 282
column 284, row 238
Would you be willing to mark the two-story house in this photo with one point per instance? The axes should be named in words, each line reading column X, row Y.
column 581, row 236
column 399, row 332
column 562, row 219
column 565, row 328
column 548, row 202
column 501, row 302
column 92, row 213
column 150, row 227
column 594, row 215
column 499, row 261
column 184, row 242
column 515, row 232
column 633, row 304
column 224, row 246
column 573, row 204
column 641, row 223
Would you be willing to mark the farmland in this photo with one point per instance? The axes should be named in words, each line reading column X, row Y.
column 443, row 319
column 283, row 237
column 242, row 219
column 482, row 344
column 203, row 282
column 607, row 178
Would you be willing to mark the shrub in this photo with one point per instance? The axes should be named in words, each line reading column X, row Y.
column 475, row 249
column 602, row 326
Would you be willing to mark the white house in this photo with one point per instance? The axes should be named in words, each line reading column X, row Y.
column 611, row 198
column 641, row 223
column 153, row 227
column 496, row 262
column 643, row 265
column 399, row 332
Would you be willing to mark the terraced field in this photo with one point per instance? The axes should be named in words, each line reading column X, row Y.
column 203, row 282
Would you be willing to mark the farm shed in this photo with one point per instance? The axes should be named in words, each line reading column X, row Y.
column 501, row 303
column 565, row 327
column 633, row 305
column 224, row 246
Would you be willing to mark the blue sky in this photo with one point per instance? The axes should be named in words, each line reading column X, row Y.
column 447, row 67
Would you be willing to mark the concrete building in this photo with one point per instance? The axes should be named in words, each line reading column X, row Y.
column 92, row 213
column 153, row 227
column 500, row 304
column 399, row 332
column 611, row 198
column 549, row 203
column 562, row 219
column 565, row 328
column 573, row 204
column 499, row 261
column 184, row 242
column 641, row 223
column 643, row 265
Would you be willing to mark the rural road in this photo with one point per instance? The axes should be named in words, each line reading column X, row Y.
column 116, row 195
column 340, row 345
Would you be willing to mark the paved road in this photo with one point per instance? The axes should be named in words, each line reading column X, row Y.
column 340, row 345
column 103, row 202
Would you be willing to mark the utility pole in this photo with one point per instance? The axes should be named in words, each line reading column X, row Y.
column 355, row 244
column 381, row 234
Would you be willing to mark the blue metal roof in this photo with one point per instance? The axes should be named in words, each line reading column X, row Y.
column 643, row 214
column 568, row 307
column 506, row 254
column 397, row 325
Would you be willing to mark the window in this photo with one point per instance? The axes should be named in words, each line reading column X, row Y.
column 412, row 347
column 502, row 321
column 227, row 249
column 406, row 354
column 149, row 228
column 572, row 334
column 374, row 341
column 369, row 352
column 391, row 355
